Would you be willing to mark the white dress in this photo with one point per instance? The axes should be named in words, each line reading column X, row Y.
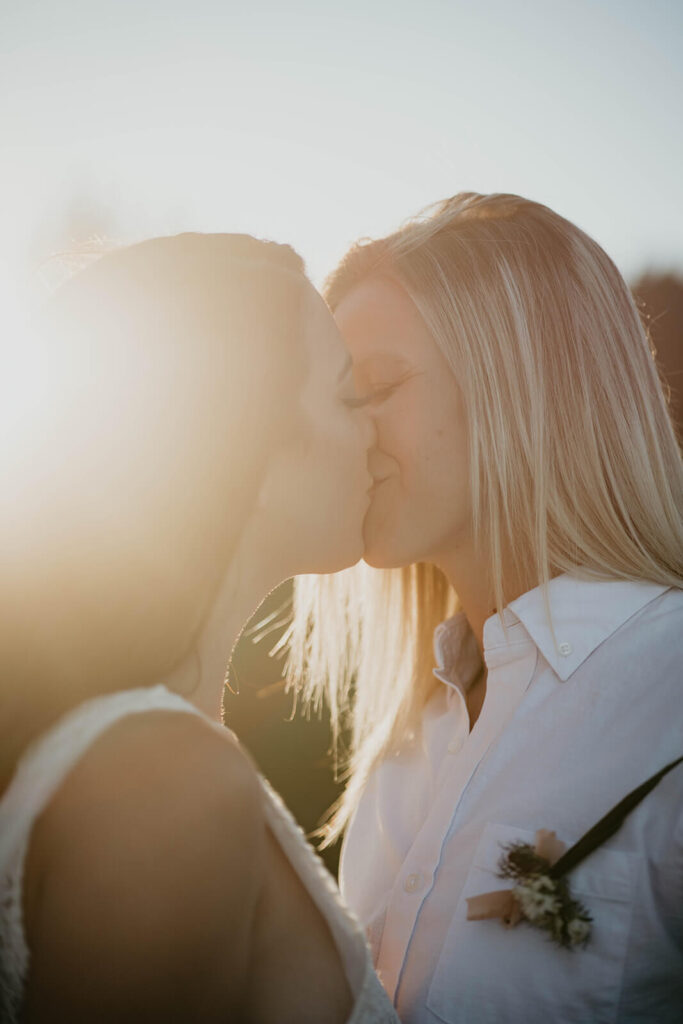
column 38, row 776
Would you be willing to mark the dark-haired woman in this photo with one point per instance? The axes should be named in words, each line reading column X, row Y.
column 188, row 439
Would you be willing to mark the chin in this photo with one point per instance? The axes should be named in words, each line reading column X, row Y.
column 383, row 560
column 342, row 555
column 383, row 555
column 377, row 549
column 344, row 559
column 394, row 542
column 380, row 547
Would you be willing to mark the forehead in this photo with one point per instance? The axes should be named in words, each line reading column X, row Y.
column 323, row 342
column 377, row 317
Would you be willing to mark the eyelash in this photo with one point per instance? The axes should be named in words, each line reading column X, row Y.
column 375, row 396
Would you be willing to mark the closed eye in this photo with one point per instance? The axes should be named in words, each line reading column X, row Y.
column 372, row 398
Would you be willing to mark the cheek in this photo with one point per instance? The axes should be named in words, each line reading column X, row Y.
column 448, row 452
column 429, row 446
column 408, row 433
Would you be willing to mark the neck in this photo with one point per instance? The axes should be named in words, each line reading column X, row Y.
column 29, row 710
column 470, row 575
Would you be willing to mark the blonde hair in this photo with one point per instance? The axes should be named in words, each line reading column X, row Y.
column 574, row 465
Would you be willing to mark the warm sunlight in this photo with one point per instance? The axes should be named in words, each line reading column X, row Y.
column 317, row 127
column 341, row 373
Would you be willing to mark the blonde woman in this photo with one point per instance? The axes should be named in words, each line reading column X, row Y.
column 514, row 638
column 188, row 438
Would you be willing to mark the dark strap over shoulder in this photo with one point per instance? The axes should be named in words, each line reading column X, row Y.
column 608, row 825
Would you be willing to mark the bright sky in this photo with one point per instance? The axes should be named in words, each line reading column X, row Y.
column 315, row 122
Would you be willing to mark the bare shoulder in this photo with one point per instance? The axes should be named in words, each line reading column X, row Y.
column 146, row 751
column 144, row 874
column 160, row 770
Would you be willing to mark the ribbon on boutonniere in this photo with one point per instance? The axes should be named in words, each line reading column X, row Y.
column 541, row 893
column 537, row 897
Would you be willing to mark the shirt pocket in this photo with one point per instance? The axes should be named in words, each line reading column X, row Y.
column 487, row 972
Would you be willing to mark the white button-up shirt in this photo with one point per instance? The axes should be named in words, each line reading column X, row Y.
column 571, row 722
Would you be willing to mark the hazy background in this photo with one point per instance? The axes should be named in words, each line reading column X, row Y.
column 315, row 123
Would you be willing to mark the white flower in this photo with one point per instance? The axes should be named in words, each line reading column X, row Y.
column 578, row 930
column 537, row 898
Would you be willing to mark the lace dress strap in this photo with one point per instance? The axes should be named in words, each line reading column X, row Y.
column 371, row 1003
column 39, row 774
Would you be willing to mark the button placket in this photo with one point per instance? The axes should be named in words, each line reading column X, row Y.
column 405, row 903
column 414, row 882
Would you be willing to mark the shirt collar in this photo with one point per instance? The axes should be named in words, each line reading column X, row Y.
column 584, row 614
column 456, row 653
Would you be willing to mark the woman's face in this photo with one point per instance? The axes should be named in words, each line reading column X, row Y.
column 420, row 506
column 317, row 484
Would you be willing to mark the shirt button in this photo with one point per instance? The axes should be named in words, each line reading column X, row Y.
column 454, row 746
column 565, row 649
column 413, row 883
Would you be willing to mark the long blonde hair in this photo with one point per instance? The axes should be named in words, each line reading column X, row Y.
column 574, row 465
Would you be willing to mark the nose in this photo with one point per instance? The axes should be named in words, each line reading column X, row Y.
column 367, row 427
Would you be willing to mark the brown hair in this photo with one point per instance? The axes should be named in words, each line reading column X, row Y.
column 164, row 370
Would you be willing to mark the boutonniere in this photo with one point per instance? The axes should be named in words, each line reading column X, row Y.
column 541, row 894
column 537, row 896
